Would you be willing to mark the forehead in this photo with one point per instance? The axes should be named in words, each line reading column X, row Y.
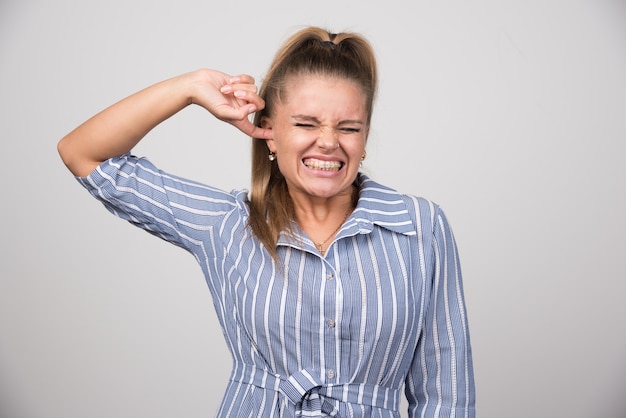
column 315, row 93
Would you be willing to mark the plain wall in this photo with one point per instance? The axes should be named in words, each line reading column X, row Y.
column 509, row 114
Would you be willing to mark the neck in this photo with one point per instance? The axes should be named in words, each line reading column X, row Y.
column 321, row 220
column 321, row 211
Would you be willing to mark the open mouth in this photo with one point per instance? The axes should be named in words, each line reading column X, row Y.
column 316, row 164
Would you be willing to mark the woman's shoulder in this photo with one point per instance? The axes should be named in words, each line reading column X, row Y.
column 385, row 205
column 371, row 189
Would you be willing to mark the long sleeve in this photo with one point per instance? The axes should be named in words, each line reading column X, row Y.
column 441, row 380
column 177, row 210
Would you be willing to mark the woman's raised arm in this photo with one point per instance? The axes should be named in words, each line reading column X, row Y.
column 117, row 129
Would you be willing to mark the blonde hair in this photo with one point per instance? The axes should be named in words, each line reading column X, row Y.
column 311, row 51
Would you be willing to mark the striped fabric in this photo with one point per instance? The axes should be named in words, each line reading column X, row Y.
column 339, row 335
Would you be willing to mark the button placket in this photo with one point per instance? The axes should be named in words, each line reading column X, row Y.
column 331, row 294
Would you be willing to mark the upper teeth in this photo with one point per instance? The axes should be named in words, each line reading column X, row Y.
column 322, row 165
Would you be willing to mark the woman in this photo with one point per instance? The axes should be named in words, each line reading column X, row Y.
column 333, row 291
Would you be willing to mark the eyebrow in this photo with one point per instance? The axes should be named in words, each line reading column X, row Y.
column 316, row 120
column 305, row 117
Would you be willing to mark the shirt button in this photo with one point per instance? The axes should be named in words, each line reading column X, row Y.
column 330, row 276
column 331, row 323
column 330, row 374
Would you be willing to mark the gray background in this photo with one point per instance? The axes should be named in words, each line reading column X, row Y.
column 510, row 114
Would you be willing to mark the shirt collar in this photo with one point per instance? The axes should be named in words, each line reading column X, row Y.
column 377, row 205
column 382, row 206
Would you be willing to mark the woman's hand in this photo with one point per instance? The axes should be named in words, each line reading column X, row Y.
column 231, row 99
column 118, row 128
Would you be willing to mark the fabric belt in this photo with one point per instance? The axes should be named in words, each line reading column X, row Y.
column 308, row 394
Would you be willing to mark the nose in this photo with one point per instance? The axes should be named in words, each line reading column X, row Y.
column 327, row 139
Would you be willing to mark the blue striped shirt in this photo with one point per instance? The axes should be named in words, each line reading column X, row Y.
column 334, row 335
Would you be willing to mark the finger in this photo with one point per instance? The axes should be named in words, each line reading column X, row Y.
column 241, row 78
column 230, row 88
column 249, row 97
column 238, row 83
column 245, row 87
column 253, row 131
column 261, row 133
column 233, row 114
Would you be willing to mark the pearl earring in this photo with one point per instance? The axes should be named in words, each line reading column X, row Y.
column 271, row 156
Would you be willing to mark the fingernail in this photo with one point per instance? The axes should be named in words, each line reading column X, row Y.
column 226, row 89
column 240, row 93
column 251, row 109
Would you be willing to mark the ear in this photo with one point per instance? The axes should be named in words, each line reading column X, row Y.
column 266, row 123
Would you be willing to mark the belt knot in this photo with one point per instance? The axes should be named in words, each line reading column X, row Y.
column 308, row 393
